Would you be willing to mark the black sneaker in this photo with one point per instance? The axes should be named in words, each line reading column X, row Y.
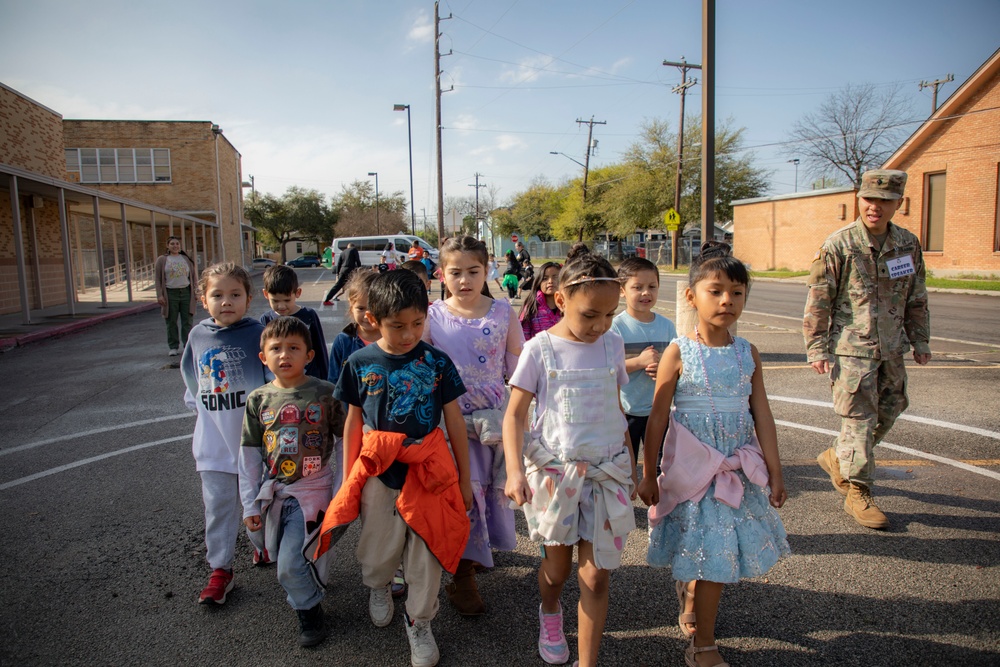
column 312, row 628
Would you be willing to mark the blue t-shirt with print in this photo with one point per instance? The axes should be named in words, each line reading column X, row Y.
column 400, row 393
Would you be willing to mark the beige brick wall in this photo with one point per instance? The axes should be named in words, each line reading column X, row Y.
column 30, row 135
column 193, row 186
column 786, row 233
column 44, row 268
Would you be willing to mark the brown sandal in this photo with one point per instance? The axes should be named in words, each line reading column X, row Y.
column 691, row 651
column 684, row 619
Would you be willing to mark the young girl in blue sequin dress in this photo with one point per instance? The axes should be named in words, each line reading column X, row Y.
column 710, row 518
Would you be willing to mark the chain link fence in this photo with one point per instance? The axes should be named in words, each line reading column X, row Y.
column 657, row 252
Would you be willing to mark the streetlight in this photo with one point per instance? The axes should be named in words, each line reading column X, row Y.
column 378, row 229
column 579, row 163
column 409, row 138
column 795, row 161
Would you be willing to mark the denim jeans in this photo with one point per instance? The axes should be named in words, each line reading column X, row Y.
column 294, row 573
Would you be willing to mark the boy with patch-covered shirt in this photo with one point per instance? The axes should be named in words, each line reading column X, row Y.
column 289, row 431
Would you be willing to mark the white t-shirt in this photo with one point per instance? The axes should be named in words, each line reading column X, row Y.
column 637, row 398
column 530, row 372
column 176, row 272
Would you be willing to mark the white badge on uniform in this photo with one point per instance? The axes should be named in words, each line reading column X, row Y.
column 900, row 266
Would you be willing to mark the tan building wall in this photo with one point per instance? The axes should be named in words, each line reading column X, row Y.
column 785, row 232
column 30, row 135
column 205, row 169
column 966, row 149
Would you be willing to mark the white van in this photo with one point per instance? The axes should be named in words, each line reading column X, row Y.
column 371, row 247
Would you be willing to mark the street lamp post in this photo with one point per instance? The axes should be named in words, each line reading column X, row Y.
column 585, row 170
column 795, row 161
column 378, row 229
column 409, row 138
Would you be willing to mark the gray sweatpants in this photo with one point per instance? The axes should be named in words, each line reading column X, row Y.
column 220, row 492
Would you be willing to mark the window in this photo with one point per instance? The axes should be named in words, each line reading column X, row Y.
column 298, row 248
column 119, row 165
column 996, row 227
column 934, row 196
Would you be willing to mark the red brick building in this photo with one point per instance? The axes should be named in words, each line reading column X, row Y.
column 952, row 198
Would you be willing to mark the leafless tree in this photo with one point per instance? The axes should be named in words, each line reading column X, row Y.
column 855, row 129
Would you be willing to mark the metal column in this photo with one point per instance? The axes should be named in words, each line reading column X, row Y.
column 22, row 276
column 67, row 257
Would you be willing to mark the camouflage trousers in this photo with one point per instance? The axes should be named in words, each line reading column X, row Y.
column 868, row 394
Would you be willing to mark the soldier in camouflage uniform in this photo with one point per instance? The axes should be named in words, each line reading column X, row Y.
column 867, row 305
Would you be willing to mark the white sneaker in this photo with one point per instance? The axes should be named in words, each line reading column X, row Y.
column 174, row 352
column 380, row 606
column 423, row 648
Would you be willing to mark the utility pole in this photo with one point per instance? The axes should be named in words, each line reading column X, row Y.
column 683, row 66
column 477, row 185
column 707, row 120
column 437, row 118
column 935, row 84
column 586, row 161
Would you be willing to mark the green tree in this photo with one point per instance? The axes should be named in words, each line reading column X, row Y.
column 298, row 215
column 531, row 213
column 356, row 205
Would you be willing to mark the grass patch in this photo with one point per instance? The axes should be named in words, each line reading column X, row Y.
column 960, row 283
column 779, row 273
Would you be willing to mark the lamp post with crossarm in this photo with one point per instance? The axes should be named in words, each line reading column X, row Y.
column 378, row 229
column 409, row 139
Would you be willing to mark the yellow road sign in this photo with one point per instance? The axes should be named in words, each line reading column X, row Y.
column 672, row 219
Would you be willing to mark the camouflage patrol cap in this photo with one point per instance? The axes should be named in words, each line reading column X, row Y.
column 882, row 184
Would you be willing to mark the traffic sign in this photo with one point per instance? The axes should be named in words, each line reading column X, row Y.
column 672, row 220
column 513, row 238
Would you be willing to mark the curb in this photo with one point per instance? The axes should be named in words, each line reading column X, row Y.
column 20, row 341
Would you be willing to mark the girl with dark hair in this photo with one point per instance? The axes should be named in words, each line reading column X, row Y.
column 579, row 472
column 176, row 292
column 541, row 312
column 483, row 338
column 711, row 524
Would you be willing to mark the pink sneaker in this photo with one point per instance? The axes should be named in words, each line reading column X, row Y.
column 219, row 584
column 552, row 644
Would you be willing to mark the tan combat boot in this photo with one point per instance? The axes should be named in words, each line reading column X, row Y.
column 830, row 464
column 859, row 504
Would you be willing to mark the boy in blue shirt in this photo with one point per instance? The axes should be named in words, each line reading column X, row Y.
column 646, row 335
column 412, row 501
column 281, row 289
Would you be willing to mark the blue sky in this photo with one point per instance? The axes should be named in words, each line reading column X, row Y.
column 305, row 89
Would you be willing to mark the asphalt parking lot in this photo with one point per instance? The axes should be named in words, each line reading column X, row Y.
column 104, row 556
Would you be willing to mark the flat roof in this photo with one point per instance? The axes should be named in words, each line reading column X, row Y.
column 795, row 195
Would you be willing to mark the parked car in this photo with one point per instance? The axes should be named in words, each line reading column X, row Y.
column 304, row 261
column 262, row 262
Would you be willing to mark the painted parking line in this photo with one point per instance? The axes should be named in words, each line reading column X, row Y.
column 81, row 434
column 92, row 459
column 899, row 448
column 920, row 420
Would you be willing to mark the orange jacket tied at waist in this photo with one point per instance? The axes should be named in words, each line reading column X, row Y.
column 430, row 501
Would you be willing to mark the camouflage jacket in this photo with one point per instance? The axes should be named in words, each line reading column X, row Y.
column 855, row 307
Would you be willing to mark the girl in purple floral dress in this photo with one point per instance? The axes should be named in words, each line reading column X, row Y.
column 483, row 338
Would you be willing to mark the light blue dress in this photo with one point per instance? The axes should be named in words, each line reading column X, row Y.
column 708, row 540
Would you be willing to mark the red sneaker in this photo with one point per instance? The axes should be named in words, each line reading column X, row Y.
column 220, row 583
column 328, row 303
column 261, row 558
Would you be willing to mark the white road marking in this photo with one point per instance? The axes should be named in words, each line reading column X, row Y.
column 920, row 420
column 81, row 434
column 321, row 276
column 899, row 448
column 92, row 459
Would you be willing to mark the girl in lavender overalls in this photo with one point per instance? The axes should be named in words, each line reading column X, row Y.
column 579, row 475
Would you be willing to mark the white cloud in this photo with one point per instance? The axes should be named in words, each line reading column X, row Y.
column 506, row 142
column 463, row 122
column 422, row 30
column 528, row 69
